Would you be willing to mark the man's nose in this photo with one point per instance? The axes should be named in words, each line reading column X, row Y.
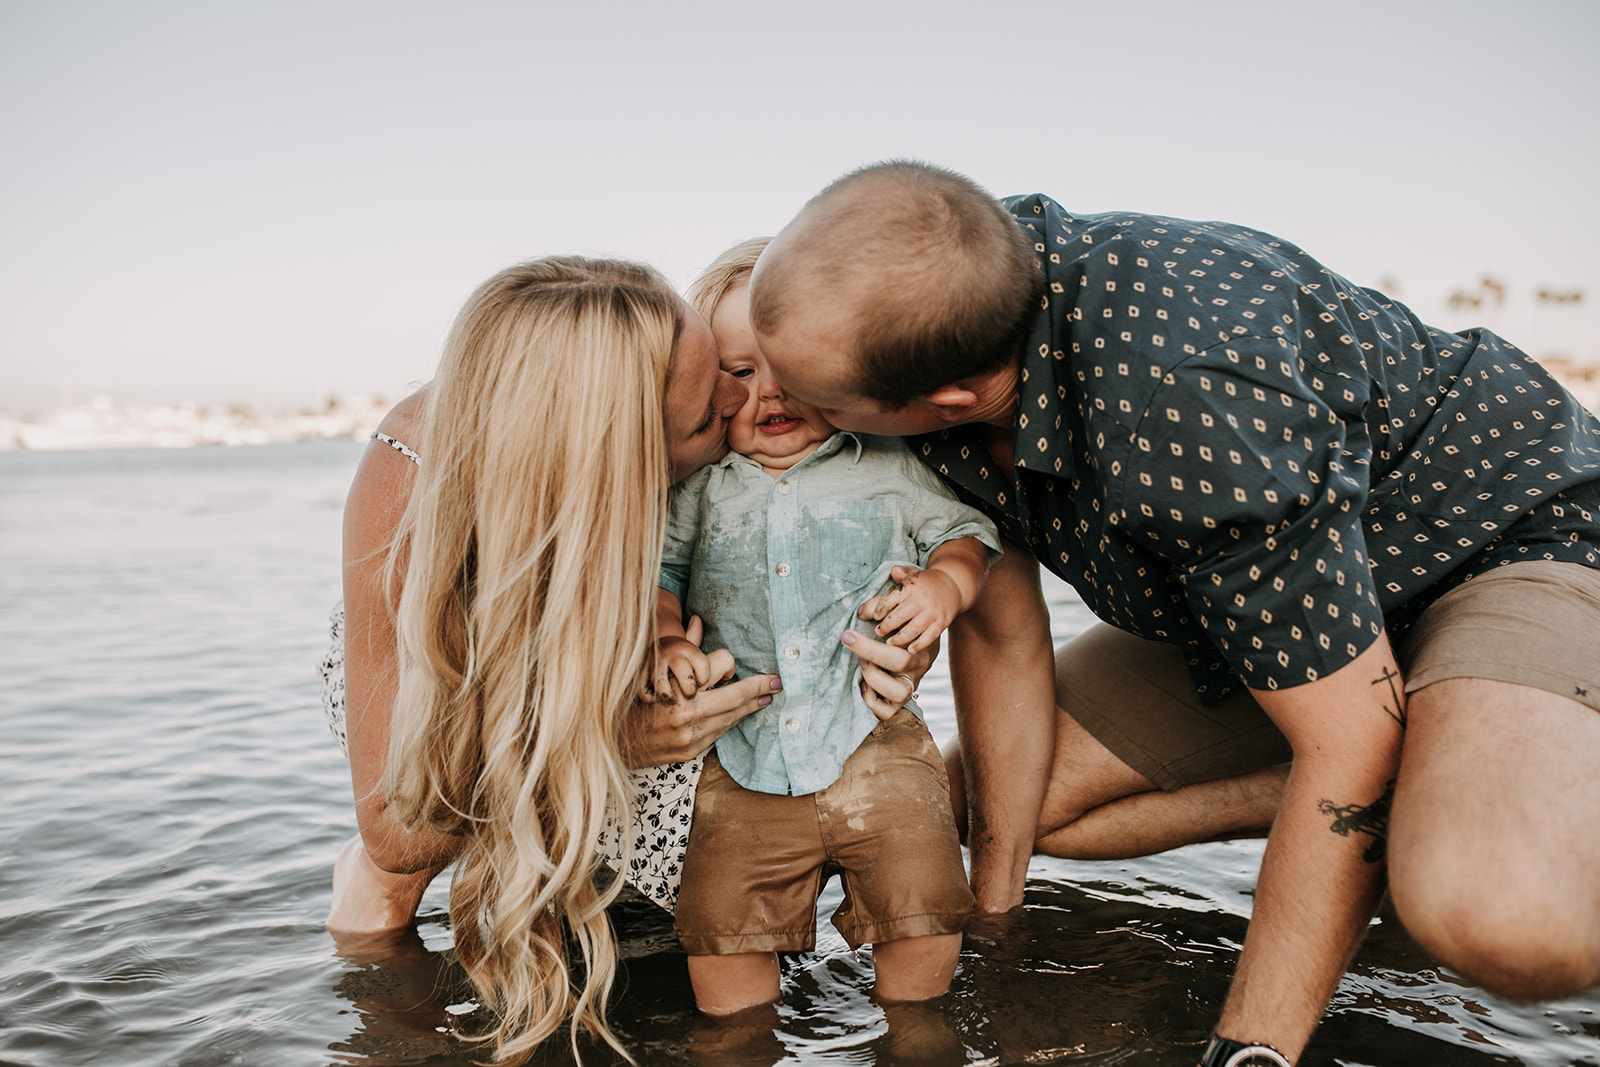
column 768, row 388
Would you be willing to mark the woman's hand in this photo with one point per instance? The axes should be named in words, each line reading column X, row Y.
column 665, row 731
column 889, row 675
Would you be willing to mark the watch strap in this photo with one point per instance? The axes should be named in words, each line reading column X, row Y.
column 1225, row 1052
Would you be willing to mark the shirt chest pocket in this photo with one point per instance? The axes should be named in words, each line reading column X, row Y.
column 851, row 539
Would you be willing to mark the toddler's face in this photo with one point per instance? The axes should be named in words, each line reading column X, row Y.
column 770, row 428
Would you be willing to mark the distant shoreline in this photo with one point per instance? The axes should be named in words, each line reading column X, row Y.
column 103, row 425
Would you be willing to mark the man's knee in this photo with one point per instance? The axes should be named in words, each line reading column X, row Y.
column 1495, row 927
column 1491, row 865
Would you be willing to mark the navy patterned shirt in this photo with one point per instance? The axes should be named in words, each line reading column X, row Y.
column 1223, row 445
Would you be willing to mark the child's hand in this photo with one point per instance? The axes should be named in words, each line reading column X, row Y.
column 681, row 664
column 919, row 609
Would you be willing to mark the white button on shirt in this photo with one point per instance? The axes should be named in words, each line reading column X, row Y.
column 777, row 577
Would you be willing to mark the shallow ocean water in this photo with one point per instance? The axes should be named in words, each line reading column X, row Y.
column 173, row 802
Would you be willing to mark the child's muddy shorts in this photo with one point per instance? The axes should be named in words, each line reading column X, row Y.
column 758, row 861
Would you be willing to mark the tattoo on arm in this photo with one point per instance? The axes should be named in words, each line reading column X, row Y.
column 1372, row 819
column 1398, row 711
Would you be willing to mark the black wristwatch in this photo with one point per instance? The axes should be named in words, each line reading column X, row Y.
column 1225, row 1053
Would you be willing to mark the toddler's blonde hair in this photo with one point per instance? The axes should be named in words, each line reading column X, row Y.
column 726, row 273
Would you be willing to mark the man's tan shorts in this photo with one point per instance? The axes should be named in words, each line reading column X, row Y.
column 1535, row 623
column 758, row 861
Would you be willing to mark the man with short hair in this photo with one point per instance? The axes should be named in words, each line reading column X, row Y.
column 1316, row 528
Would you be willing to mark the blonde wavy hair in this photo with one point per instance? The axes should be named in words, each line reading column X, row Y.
column 529, row 553
column 726, row 273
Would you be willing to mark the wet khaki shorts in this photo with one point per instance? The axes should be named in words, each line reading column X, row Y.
column 1535, row 624
column 758, row 861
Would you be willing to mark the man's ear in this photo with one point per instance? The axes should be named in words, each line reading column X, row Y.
column 953, row 402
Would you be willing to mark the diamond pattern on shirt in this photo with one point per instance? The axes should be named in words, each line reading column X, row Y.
column 1222, row 444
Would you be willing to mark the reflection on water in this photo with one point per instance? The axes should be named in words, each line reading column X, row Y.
column 407, row 1000
column 173, row 804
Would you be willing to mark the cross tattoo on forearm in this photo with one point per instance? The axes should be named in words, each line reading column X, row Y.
column 1398, row 712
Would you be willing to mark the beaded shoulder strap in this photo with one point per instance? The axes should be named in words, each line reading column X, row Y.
column 397, row 446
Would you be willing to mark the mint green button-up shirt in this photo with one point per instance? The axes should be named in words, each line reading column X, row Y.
column 776, row 568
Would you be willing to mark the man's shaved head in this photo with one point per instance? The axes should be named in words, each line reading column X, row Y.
column 914, row 273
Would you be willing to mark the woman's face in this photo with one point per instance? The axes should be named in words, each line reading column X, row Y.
column 700, row 399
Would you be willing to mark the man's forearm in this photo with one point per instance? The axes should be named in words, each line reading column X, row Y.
column 1003, row 676
column 1314, row 898
column 1324, row 866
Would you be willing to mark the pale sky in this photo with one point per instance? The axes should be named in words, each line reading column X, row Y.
column 274, row 202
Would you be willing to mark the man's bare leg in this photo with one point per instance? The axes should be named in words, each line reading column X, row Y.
column 1494, row 862
column 1098, row 808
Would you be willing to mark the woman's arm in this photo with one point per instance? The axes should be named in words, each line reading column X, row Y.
column 372, row 514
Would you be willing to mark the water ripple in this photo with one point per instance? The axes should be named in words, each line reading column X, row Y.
column 173, row 803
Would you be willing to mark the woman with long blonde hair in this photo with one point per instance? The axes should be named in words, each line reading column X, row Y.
column 501, row 548
column 499, row 597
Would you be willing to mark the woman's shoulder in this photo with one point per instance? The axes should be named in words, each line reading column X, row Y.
column 405, row 421
column 385, row 476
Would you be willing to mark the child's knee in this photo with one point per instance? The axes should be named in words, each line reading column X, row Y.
column 725, row 985
column 915, row 968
